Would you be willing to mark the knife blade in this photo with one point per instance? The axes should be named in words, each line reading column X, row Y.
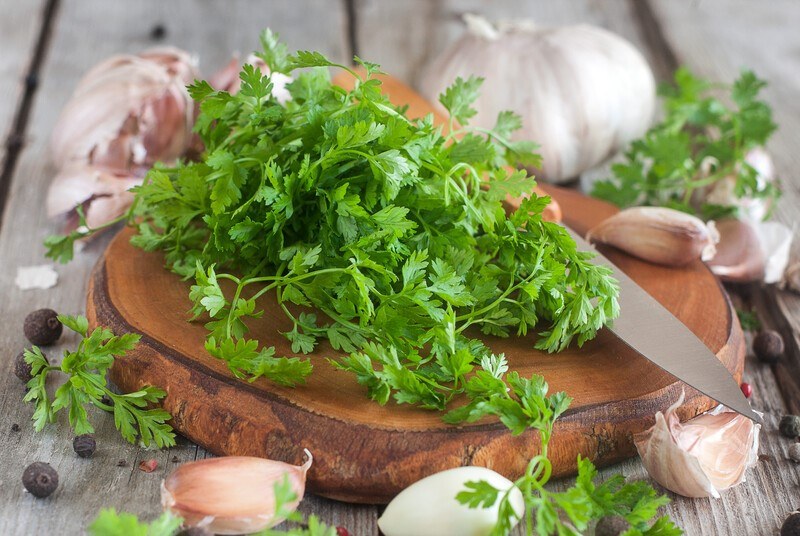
column 651, row 330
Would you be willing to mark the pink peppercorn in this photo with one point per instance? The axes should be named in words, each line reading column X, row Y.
column 747, row 390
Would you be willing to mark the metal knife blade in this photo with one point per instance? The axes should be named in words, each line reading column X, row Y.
column 649, row 328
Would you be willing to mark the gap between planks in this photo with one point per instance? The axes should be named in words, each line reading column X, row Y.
column 16, row 136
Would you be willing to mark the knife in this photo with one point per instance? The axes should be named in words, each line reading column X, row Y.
column 651, row 330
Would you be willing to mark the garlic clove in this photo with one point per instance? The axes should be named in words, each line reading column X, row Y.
column 659, row 235
column 429, row 506
column 103, row 194
column 739, row 256
column 232, row 494
column 791, row 278
column 776, row 243
column 701, row 457
column 723, row 191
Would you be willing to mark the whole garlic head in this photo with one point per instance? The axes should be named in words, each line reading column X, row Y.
column 702, row 456
column 582, row 91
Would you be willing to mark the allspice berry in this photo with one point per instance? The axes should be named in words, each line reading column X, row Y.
column 22, row 369
column 790, row 426
column 84, row 445
column 768, row 346
column 791, row 527
column 42, row 327
column 611, row 526
column 40, row 479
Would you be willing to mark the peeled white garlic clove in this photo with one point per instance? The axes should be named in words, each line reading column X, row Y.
column 103, row 194
column 776, row 243
column 582, row 91
column 227, row 78
column 429, row 507
column 233, row 494
column 659, row 235
column 702, row 456
column 128, row 112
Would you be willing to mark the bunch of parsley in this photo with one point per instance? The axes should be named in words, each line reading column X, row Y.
column 381, row 234
column 522, row 404
column 700, row 141
column 86, row 370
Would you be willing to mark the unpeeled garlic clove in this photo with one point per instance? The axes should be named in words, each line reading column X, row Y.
column 702, row 456
column 739, row 256
column 233, row 494
column 659, row 235
column 429, row 507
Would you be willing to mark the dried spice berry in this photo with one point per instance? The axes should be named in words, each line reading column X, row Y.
column 22, row 369
column 768, row 346
column 195, row 531
column 790, row 426
column 611, row 526
column 747, row 390
column 42, row 327
column 341, row 531
column 122, row 463
column 15, row 427
column 148, row 466
column 791, row 527
column 84, row 445
column 40, row 479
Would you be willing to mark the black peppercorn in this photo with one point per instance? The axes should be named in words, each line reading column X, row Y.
column 790, row 426
column 15, row 427
column 611, row 526
column 84, row 445
column 122, row 463
column 40, row 479
column 22, row 369
column 768, row 346
column 195, row 531
column 42, row 327
column 158, row 32
column 791, row 527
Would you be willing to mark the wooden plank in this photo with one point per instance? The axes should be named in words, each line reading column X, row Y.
column 21, row 21
column 85, row 33
column 405, row 37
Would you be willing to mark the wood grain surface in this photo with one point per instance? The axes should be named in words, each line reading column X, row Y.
column 713, row 37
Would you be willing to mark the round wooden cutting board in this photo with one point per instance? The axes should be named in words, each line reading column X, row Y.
column 367, row 453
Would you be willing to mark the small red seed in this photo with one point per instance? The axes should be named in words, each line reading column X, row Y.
column 341, row 531
column 747, row 390
column 148, row 466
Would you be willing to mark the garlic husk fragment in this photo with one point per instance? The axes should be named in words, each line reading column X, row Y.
column 582, row 91
column 429, row 507
column 128, row 112
column 702, row 456
column 227, row 78
column 659, row 235
column 232, row 494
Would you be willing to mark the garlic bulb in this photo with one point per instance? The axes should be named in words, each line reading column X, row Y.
column 103, row 194
column 233, row 494
column 583, row 92
column 429, row 507
column 659, row 235
column 701, row 457
column 128, row 112
column 227, row 78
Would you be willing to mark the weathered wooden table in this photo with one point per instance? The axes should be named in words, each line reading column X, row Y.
column 48, row 44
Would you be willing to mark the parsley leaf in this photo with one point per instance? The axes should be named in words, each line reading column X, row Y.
column 111, row 523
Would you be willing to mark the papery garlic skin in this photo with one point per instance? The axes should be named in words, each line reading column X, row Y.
column 128, row 112
column 583, row 92
column 429, row 507
column 659, row 235
column 701, row 457
column 232, row 494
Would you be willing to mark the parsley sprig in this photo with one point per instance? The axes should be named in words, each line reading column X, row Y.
column 380, row 234
column 86, row 368
column 701, row 140
column 526, row 406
